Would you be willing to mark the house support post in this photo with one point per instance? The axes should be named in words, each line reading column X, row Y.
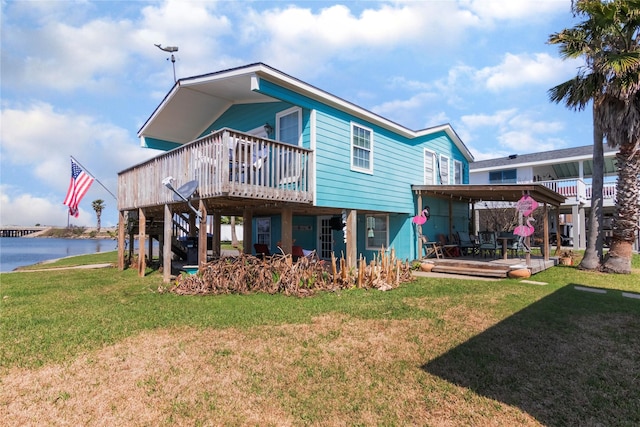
column 449, row 237
column 419, row 230
column 142, row 227
column 575, row 228
column 217, row 229
column 121, row 241
column 583, row 227
column 247, row 230
column 545, row 228
column 202, row 235
column 166, row 246
column 286, row 236
column 352, row 238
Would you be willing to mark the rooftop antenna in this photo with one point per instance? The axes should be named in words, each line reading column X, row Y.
column 170, row 49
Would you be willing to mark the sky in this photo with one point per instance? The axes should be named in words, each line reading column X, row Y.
column 79, row 78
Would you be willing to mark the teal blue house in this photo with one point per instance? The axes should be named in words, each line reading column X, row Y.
column 303, row 167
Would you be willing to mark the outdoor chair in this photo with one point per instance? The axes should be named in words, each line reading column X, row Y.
column 449, row 250
column 466, row 243
column 432, row 249
column 487, row 243
column 262, row 250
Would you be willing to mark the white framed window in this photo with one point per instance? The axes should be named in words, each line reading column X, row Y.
column 444, row 170
column 289, row 126
column 377, row 231
column 361, row 148
column 263, row 231
column 429, row 167
column 457, row 172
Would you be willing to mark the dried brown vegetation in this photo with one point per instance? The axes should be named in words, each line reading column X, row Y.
column 279, row 274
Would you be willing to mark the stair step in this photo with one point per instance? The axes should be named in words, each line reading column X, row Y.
column 496, row 272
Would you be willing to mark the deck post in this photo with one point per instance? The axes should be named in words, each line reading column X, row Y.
column 286, row 236
column 545, row 228
column 202, row 235
column 142, row 229
column 166, row 247
column 419, row 230
column 121, row 241
column 352, row 237
column 217, row 228
column 247, row 232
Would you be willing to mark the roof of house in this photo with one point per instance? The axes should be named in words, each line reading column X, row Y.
column 188, row 108
column 564, row 155
column 493, row 192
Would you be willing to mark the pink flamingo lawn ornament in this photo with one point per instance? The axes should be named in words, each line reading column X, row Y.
column 422, row 217
column 525, row 230
column 526, row 205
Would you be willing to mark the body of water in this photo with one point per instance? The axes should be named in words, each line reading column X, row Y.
column 18, row 251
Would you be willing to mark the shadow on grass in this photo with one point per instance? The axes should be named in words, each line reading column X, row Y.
column 572, row 358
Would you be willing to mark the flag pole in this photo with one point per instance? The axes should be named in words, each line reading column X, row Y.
column 96, row 179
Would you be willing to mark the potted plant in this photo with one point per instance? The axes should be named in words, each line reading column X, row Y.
column 566, row 257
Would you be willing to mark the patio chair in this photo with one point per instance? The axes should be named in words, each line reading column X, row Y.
column 432, row 249
column 449, row 250
column 262, row 250
column 488, row 243
column 466, row 243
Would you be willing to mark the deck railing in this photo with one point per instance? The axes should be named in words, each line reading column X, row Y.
column 225, row 163
column 578, row 190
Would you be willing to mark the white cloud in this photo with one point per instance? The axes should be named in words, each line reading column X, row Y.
column 515, row 132
column 38, row 140
column 490, row 10
column 526, row 69
column 25, row 209
column 97, row 53
column 498, row 119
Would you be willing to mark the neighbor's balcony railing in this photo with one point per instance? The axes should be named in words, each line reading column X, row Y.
column 575, row 190
column 225, row 163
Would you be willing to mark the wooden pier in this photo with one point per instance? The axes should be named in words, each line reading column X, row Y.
column 18, row 231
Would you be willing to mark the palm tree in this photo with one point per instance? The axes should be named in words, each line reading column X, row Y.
column 98, row 206
column 576, row 94
column 608, row 39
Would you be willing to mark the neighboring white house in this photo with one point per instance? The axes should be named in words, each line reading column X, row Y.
column 567, row 171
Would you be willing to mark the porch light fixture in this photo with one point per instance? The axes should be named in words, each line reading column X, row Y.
column 268, row 128
column 183, row 193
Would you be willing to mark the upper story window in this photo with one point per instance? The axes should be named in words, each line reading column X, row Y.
column 508, row 176
column 457, row 172
column 444, row 170
column 361, row 148
column 429, row 167
column 377, row 232
column 289, row 126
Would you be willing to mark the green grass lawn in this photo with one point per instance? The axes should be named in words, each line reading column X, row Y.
column 432, row 352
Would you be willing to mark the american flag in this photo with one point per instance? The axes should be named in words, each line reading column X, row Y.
column 78, row 187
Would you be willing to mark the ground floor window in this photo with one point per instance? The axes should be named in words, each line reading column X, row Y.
column 377, row 231
column 263, row 230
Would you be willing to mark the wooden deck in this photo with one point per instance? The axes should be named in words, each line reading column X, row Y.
column 228, row 165
column 488, row 267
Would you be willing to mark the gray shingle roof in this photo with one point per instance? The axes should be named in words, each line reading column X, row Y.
column 586, row 150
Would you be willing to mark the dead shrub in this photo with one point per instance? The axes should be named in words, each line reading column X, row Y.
column 279, row 274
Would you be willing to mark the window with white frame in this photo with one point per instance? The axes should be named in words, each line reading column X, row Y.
column 429, row 167
column 289, row 126
column 377, row 231
column 457, row 172
column 361, row 148
column 444, row 170
column 263, row 231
